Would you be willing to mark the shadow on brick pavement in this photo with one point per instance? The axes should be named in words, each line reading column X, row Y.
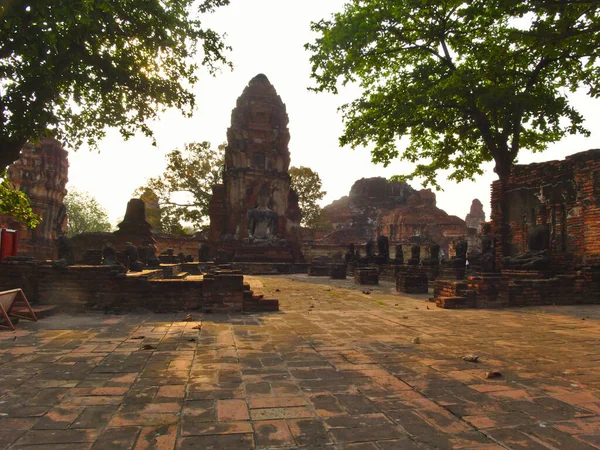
column 336, row 368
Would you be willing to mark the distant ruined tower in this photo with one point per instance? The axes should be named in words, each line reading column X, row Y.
column 42, row 173
column 257, row 160
column 476, row 216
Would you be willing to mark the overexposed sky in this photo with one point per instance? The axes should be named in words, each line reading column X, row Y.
column 268, row 36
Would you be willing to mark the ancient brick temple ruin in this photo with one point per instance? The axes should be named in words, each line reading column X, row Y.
column 98, row 278
column 562, row 195
column 376, row 207
column 41, row 172
column 254, row 215
column 474, row 221
column 551, row 252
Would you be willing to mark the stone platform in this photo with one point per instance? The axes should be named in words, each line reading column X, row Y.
column 412, row 280
column 319, row 270
column 346, row 375
column 107, row 288
column 266, row 268
column 366, row 275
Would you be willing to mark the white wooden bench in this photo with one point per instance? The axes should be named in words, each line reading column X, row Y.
column 8, row 301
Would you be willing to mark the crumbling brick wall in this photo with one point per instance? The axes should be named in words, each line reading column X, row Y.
column 563, row 194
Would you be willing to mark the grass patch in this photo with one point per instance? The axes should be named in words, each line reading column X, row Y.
column 335, row 294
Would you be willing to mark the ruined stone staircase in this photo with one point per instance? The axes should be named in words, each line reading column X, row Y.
column 256, row 302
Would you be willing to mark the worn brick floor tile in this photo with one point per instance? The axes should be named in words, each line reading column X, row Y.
column 280, row 413
column 195, row 428
column 77, row 446
column 122, row 379
column 146, row 419
column 555, row 438
column 217, row 442
column 141, row 394
column 396, row 444
column 356, row 404
column 491, row 387
column 359, row 446
column 308, row 432
column 580, row 398
column 19, row 423
column 25, row 411
column 48, row 396
column 327, row 405
column 116, row 439
column 58, row 418
column 511, row 394
column 38, row 437
column 471, row 439
column 93, row 400
column 494, row 420
column 272, row 433
column 586, row 425
column 157, row 438
column 592, row 407
column 163, row 407
column 176, row 391
column 8, row 436
column 261, row 389
column 95, row 417
column 200, row 410
column 276, row 402
column 366, row 432
column 513, row 439
column 592, row 439
column 232, row 410
column 443, row 420
column 103, row 391
column 366, row 420
column 285, row 389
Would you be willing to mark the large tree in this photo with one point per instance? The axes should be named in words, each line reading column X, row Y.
column 85, row 214
column 72, row 68
column 184, row 190
column 466, row 81
column 307, row 184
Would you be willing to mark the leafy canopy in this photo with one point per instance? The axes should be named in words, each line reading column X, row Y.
column 184, row 190
column 85, row 214
column 72, row 68
column 466, row 81
column 308, row 186
column 16, row 203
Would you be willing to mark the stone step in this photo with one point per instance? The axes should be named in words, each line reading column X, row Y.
column 455, row 302
column 181, row 275
column 263, row 304
column 268, row 304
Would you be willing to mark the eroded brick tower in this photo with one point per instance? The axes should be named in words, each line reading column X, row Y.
column 41, row 172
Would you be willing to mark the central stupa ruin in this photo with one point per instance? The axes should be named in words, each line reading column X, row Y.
column 254, row 214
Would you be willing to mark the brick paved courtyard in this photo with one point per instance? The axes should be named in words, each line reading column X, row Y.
column 336, row 368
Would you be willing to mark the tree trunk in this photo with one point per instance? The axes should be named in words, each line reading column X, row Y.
column 10, row 151
column 503, row 171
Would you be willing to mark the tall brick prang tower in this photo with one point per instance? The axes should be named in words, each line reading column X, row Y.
column 41, row 172
column 257, row 160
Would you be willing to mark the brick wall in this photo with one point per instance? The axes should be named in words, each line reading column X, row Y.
column 563, row 194
column 76, row 288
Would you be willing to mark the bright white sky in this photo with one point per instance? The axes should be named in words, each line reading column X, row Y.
column 268, row 36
